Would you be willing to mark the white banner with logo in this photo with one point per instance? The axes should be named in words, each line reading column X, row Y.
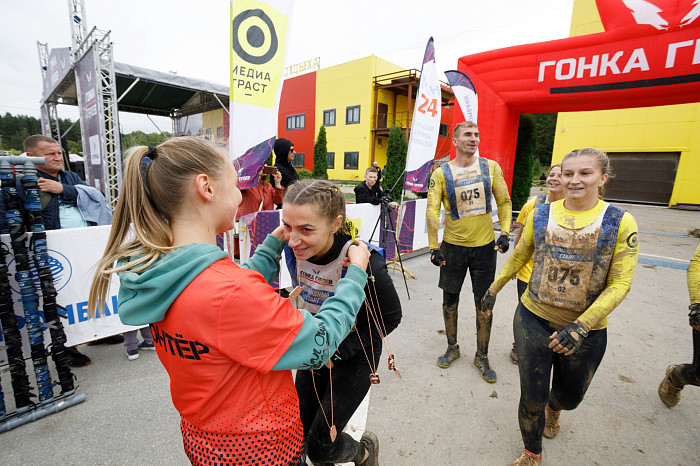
column 74, row 254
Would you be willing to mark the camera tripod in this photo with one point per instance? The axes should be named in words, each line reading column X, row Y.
column 384, row 217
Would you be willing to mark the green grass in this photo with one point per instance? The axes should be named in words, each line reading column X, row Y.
column 349, row 197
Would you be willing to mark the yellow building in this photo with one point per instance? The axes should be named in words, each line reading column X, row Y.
column 655, row 151
column 357, row 102
column 342, row 87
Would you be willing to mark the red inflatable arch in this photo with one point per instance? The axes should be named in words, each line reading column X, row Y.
column 648, row 55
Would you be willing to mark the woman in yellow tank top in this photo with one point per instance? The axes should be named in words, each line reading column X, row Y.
column 584, row 252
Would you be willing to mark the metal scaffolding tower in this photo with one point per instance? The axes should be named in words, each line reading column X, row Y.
column 110, row 146
column 50, row 107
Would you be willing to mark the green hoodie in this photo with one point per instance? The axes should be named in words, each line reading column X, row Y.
column 145, row 297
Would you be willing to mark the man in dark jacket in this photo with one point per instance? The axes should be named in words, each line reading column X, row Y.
column 59, row 208
column 369, row 191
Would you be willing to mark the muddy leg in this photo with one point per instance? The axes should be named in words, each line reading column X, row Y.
column 449, row 313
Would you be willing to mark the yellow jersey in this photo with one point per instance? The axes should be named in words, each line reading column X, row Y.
column 617, row 280
column 472, row 231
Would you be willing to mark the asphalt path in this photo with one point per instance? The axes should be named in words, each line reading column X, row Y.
column 432, row 415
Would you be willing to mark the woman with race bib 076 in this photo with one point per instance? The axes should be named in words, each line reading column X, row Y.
column 585, row 253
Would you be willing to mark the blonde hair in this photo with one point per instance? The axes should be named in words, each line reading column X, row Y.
column 600, row 156
column 323, row 195
column 153, row 191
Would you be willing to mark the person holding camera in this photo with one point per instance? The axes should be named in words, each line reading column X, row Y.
column 264, row 195
column 464, row 186
column 369, row 192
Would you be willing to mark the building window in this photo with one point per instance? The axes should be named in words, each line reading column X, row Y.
column 207, row 134
column 296, row 121
column 329, row 117
column 352, row 115
column 298, row 161
column 330, row 158
column 220, row 132
column 443, row 130
column 351, row 159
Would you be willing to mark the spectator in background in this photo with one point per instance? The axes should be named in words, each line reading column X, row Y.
column 369, row 192
column 262, row 196
column 66, row 202
column 284, row 154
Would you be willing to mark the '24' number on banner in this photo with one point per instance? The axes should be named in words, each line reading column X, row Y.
column 431, row 104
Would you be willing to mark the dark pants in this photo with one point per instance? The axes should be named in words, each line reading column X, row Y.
column 522, row 286
column 688, row 374
column 480, row 261
column 350, row 385
column 570, row 375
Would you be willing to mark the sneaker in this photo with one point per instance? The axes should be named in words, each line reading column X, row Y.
column 669, row 393
column 449, row 357
column 488, row 374
column 513, row 355
column 131, row 355
column 371, row 444
column 527, row 459
column 113, row 340
column 147, row 346
column 551, row 422
column 76, row 358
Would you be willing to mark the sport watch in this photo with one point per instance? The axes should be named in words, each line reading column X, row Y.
column 581, row 330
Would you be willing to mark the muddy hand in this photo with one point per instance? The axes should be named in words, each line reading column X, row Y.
column 567, row 339
column 488, row 301
column 502, row 244
column 437, row 258
column 694, row 316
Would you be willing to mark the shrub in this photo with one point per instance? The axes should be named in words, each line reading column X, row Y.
column 397, row 147
column 304, row 173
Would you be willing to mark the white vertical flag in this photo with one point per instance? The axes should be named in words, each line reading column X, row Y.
column 425, row 125
column 465, row 95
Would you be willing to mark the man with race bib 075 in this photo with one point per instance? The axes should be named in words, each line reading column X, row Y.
column 464, row 186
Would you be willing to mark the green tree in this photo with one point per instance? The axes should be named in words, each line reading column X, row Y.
column 396, row 150
column 320, row 170
column 546, row 130
column 139, row 138
column 522, row 170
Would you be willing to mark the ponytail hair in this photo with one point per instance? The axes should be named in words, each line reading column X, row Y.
column 153, row 190
column 324, row 196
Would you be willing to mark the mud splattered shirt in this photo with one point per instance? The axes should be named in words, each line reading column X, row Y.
column 471, row 231
column 618, row 278
column 694, row 277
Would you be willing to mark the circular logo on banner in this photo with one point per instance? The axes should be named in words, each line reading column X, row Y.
column 61, row 271
column 254, row 37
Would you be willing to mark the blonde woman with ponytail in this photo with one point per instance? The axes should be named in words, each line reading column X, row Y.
column 226, row 339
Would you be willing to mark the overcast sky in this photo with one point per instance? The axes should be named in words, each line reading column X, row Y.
column 192, row 37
